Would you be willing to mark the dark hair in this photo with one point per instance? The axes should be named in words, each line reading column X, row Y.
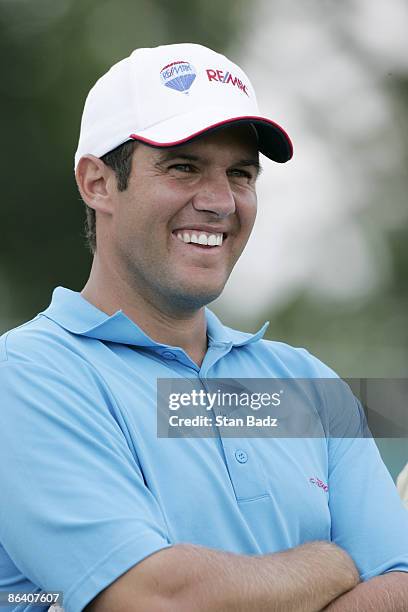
column 120, row 160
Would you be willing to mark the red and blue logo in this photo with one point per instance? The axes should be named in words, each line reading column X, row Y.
column 178, row 76
column 227, row 78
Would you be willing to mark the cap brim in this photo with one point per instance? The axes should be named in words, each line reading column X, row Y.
column 274, row 142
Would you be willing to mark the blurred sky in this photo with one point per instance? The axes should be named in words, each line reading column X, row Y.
column 324, row 71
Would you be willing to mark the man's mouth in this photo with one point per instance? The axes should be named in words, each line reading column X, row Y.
column 200, row 238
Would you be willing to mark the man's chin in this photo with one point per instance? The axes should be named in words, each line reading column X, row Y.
column 195, row 298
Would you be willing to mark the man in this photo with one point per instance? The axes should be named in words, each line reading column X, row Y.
column 95, row 504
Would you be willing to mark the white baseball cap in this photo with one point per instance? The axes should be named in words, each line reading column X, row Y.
column 165, row 96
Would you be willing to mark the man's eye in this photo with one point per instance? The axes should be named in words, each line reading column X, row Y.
column 182, row 167
column 238, row 172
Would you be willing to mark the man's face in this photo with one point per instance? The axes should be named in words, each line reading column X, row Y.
column 205, row 191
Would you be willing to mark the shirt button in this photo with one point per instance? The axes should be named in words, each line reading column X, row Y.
column 168, row 355
column 241, row 456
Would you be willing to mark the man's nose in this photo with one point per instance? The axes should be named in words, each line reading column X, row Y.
column 215, row 195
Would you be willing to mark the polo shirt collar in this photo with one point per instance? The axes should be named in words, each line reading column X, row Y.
column 78, row 316
column 219, row 333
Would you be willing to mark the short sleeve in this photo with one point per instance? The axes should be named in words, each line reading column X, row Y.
column 368, row 518
column 76, row 512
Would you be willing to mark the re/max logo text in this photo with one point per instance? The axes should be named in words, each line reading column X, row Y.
column 227, row 77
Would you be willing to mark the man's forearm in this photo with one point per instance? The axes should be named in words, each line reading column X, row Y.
column 190, row 578
column 388, row 593
column 302, row 579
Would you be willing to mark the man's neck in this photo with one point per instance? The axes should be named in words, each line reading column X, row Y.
column 185, row 330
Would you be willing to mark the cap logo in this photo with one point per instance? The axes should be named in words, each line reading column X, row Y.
column 178, row 75
column 228, row 78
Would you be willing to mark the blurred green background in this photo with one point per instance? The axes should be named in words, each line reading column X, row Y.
column 339, row 76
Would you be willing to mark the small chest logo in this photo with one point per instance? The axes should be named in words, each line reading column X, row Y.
column 319, row 483
column 178, row 75
column 228, row 79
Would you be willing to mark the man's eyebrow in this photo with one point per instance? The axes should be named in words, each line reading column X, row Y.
column 174, row 154
column 251, row 162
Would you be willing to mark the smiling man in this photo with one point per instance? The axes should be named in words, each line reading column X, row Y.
column 95, row 504
column 173, row 236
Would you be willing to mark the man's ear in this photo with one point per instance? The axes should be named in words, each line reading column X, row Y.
column 95, row 182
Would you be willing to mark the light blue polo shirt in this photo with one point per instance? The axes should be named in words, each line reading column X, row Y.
column 89, row 490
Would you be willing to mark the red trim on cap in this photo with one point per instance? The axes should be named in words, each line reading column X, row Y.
column 215, row 125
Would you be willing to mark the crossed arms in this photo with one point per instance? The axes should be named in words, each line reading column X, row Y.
column 312, row 577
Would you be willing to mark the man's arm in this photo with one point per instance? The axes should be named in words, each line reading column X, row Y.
column 388, row 593
column 187, row 578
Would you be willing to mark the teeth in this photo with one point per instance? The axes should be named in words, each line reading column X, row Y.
column 203, row 238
